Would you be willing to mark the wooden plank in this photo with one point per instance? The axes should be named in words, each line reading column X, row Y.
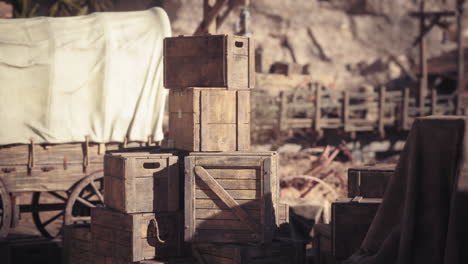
column 218, row 204
column 405, row 110
column 210, row 224
column 232, row 184
column 227, row 199
column 57, row 179
column 235, row 194
column 233, row 161
column 215, row 214
column 243, row 120
column 189, row 198
column 318, row 110
column 346, row 111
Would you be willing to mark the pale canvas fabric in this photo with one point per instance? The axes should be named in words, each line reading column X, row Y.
column 101, row 75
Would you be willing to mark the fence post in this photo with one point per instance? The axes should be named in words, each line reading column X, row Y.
column 318, row 110
column 346, row 111
column 405, row 110
column 381, row 127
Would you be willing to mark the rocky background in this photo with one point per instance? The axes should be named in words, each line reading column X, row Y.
column 352, row 43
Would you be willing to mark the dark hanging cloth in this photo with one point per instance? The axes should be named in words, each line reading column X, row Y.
column 423, row 218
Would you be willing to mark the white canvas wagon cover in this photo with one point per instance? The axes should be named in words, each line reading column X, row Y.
column 62, row 79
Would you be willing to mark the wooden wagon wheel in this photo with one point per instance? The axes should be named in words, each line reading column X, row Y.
column 47, row 212
column 5, row 210
column 88, row 193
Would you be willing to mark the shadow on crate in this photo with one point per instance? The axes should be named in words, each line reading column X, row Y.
column 248, row 233
column 19, row 249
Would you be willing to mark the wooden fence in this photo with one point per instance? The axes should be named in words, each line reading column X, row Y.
column 349, row 111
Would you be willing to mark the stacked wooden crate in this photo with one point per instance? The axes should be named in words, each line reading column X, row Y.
column 352, row 216
column 142, row 220
column 231, row 200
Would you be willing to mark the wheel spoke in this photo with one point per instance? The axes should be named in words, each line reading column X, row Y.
column 83, row 201
column 98, row 193
column 52, row 219
column 58, row 196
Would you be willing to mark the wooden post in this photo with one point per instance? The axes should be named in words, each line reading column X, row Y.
column 461, row 56
column 434, row 101
column 381, row 127
column 405, row 109
column 282, row 112
column 318, row 109
column 207, row 7
column 422, row 93
column 346, row 111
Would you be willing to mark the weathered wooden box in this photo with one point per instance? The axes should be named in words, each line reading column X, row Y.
column 209, row 119
column 136, row 237
column 369, row 181
column 351, row 219
column 142, row 182
column 77, row 244
column 209, row 61
column 231, row 197
column 27, row 249
column 274, row 253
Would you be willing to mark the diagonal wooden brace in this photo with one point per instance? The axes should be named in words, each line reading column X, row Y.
column 227, row 199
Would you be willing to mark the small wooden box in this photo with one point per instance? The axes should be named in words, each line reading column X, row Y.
column 369, row 181
column 134, row 237
column 209, row 61
column 209, row 119
column 231, row 197
column 77, row 244
column 351, row 219
column 142, row 182
column 274, row 253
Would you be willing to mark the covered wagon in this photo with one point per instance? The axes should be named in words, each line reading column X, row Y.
column 70, row 88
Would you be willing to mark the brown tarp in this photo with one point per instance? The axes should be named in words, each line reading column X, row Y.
column 424, row 214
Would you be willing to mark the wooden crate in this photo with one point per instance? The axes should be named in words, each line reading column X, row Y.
column 30, row 250
column 209, row 61
column 369, row 181
column 351, row 219
column 276, row 252
column 142, row 182
column 209, row 119
column 134, row 237
column 77, row 244
column 231, row 197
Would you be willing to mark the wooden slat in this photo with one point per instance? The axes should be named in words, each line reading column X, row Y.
column 232, row 184
column 218, row 204
column 234, row 173
column 227, row 199
column 235, row 194
column 215, row 214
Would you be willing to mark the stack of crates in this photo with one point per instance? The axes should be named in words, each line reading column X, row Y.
column 231, row 195
column 142, row 221
column 207, row 196
column 352, row 216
